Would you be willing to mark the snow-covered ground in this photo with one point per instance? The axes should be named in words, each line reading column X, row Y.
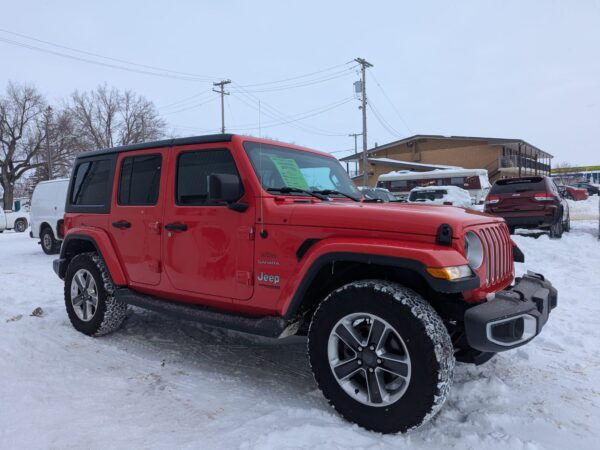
column 160, row 383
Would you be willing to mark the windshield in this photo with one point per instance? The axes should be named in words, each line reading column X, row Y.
column 280, row 167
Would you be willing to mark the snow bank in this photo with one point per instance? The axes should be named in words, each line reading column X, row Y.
column 165, row 384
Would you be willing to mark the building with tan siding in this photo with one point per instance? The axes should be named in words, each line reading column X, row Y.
column 500, row 157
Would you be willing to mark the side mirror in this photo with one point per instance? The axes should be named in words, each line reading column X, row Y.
column 224, row 187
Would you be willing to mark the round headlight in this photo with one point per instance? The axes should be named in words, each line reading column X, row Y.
column 473, row 250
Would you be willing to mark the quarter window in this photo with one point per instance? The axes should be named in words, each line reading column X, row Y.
column 140, row 180
column 193, row 169
column 90, row 183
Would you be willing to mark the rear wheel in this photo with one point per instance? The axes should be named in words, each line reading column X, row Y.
column 50, row 246
column 20, row 225
column 556, row 230
column 567, row 223
column 381, row 355
column 89, row 299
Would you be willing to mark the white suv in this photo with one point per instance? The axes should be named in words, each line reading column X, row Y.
column 46, row 213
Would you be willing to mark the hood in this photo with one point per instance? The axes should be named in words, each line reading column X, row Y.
column 389, row 217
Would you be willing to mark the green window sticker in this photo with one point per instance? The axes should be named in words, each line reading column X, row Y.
column 290, row 172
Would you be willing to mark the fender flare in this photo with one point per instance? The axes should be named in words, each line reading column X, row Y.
column 101, row 241
column 413, row 256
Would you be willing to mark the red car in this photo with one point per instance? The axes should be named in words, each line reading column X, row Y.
column 274, row 239
column 573, row 193
column 529, row 202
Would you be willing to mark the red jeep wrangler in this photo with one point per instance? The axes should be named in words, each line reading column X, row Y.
column 274, row 239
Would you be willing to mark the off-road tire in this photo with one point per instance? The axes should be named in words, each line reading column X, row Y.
column 110, row 312
column 50, row 245
column 556, row 230
column 426, row 339
column 20, row 225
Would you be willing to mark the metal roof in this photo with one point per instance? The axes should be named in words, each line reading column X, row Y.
column 417, row 137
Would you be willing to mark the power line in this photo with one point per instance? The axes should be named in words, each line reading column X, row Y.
column 295, row 78
column 311, row 82
column 274, row 113
column 178, row 74
column 390, row 102
column 194, row 106
column 384, row 123
column 187, row 99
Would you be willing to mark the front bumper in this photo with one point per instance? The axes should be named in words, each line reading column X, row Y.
column 513, row 317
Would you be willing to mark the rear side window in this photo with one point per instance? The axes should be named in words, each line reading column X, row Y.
column 519, row 185
column 193, row 169
column 423, row 196
column 139, row 180
column 91, row 183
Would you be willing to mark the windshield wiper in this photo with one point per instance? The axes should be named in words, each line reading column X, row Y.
column 289, row 190
column 334, row 192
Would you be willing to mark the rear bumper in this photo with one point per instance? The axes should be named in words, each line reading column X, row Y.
column 530, row 222
column 513, row 318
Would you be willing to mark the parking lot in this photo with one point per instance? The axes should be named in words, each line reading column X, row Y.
column 167, row 384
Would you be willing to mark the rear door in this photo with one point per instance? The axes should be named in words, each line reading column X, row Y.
column 208, row 247
column 136, row 215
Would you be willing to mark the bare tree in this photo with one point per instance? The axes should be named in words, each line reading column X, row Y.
column 106, row 118
column 21, row 135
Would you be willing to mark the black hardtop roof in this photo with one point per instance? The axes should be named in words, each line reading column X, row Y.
column 206, row 139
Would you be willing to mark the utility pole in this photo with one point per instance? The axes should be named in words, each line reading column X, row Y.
column 364, row 64
column 49, row 161
column 355, row 135
column 221, row 91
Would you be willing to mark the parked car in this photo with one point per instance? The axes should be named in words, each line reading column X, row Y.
column 272, row 239
column 46, row 213
column 572, row 193
column 13, row 220
column 381, row 194
column 441, row 195
column 592, row 189
column 529, row 202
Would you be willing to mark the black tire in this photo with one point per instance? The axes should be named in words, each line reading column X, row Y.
column 511, row 230
column 109, row 313
column 424, row 338
column 569, row 196
column 50, row 245
column 567, row 223
column 556, row 230
column 20, row 225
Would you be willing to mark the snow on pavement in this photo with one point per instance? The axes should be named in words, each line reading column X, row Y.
column 161, row 383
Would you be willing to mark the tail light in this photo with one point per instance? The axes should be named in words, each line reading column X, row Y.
column 492, row 200
column 448, row 203
column 544, row 197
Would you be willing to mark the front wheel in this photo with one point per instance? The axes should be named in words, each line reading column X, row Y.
column 381, row 355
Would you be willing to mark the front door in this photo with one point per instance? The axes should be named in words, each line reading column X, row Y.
column 137, row 212
column 208, row 247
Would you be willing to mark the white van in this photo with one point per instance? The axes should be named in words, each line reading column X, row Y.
column 46, row 213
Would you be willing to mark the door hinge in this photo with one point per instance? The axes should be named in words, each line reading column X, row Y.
column 244, row 277
column 246, row 233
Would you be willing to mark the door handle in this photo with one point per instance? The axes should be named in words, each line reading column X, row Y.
column 121, row 224
column 176, row 227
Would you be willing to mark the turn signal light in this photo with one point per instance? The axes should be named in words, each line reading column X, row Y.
column 450, row 273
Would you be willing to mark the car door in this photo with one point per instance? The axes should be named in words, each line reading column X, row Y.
column 208, row 247
column 136, row 214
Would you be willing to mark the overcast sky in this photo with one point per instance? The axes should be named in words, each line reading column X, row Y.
column 510, row 69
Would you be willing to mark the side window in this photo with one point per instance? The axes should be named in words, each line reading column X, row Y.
column 193, row 169
column 91, row 185
column 139, row 180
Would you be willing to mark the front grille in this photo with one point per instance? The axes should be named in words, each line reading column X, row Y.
column 498, row 257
